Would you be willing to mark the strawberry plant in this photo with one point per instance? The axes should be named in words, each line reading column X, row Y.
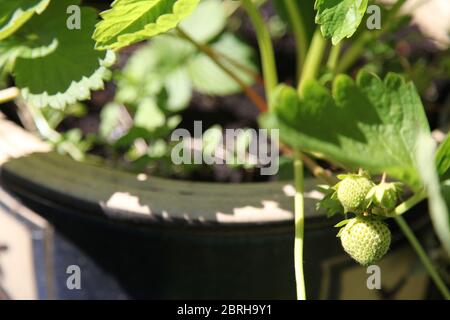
column 371, row 124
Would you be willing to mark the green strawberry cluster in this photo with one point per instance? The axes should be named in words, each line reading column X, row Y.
column 365, row 237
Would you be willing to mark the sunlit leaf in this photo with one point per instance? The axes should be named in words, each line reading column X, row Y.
column 371, row 124
column 68, row 72
column 14, row 13
column 339, row 19
column 131, row 21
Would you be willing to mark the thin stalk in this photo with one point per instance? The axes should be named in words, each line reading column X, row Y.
column 42, row 125
column 318, row 171
column 250, row 92
column 354, row 52
column 313, row 60
column 251, row 72
column 50, row 134
column 312, row 65
column 9, row 94
column 334, row 57
column 299, row 31
column 265, row 46
column 299, row 227
column 408, row 204
column 423, row 257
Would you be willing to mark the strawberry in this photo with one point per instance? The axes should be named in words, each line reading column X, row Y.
column 385, row 196
column 365, row 239
column 352, row 192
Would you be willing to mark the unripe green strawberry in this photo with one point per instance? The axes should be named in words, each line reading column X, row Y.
column 352, row 192
column 365, row 239
column 385, row 195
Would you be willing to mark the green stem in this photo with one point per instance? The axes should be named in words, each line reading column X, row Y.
column 250, row 71
column 313, row 60
column 9, row 94
column 310, row 71
column 423, row 257
column 265, row 47
column 42, row 125
column 48, row 133
column 354, row 52
column 299, row 226
column 299, row 31
column 408, row 204
column 334, row 57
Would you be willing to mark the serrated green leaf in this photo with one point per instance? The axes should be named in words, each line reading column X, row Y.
column 15, row 47
column 438, row 196
column 56, row 116
column 131, row 21
column 15, row 13
column 339, row 19
column 208, row 78
column 372, row 124
column 72, row 69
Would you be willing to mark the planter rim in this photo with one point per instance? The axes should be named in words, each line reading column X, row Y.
column 31, row 170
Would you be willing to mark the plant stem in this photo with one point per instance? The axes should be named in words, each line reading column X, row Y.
column 247, row 69
column 312, row 64
column 423, row 257
column 318, row 171
column 334, row 57
column 241, row 66
column 299, row 227
column 42, row 125
column 313, row 59
column 47, row 132
column 298, row 29
column 9, row 94
column 408, row 204
column 354, row 52
column 249, row 91
column 265, row 46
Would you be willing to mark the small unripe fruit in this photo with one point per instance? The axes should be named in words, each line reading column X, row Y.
column 352, row 192
column 385, row 195
column 365, row 239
